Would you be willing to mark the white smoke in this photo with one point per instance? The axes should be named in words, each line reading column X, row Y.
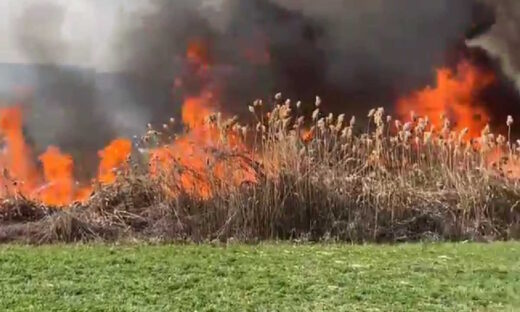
column 503, row 40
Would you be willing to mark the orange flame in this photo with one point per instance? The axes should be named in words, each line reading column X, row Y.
column 113, row 156
column 455, row 95
column 197, row 153
column 56, row 184
column 58, row 173
column 196, row 109
column 16, row 155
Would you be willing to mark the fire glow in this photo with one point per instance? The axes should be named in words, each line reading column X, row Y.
column 55, row 183
column 206, row 151
column 455, row 96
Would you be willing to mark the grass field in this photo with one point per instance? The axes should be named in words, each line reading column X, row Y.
column 270, row 277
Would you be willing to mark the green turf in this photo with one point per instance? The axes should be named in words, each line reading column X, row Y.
column 271, row 277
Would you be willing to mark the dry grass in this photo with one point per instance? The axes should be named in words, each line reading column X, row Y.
column 317, row 178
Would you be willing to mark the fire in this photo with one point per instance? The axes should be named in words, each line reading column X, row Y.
column 455, row 96
column 16, row 156
column 113, row 156
column 56, row 184
column 59, row 178
column 196, row 109
column 212, row 154
column 200, row 153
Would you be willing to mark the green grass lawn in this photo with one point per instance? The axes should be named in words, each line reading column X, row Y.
column 270, row 277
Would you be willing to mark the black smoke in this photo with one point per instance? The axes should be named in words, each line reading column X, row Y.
column 354, row 54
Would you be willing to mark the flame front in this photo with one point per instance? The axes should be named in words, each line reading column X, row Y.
column 113, row 156
column 203, row 154
column 59, row 177
column 454, row 96
column 55, row 185
column 19, row 172
column 212, row 154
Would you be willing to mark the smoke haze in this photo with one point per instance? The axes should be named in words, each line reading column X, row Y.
column 503, row 39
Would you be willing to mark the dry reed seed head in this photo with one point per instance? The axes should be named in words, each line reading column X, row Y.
column 485, row 131
column 509, row 121
column 165, row 126
column 321, row 124
column 352, row 121
column 407, row 126
column 298, row 104
column 278, row 96
column 330, row 118
column 317, row 103
column 149, row 126
column 462, row 134
column 407, row 136
column 371, row 113
column 421, row 122
column 286, row 112
column 288, row 102
column 341, row 119
column 446, row 123
column 427, row 137
column 398, row 125
column 501, row 140
column 300, row 120
column 257, row 103
column 251, row 109
column 388, row 118
column 286, row 122
column 452, row 136
column 344, row 132
column 315, row 114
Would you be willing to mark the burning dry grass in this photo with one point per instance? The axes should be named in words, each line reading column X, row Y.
column 288, row 177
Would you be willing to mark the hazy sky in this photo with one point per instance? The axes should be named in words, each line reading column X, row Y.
column 87, row 30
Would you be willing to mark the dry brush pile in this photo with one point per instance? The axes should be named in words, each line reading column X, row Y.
column 290, row 177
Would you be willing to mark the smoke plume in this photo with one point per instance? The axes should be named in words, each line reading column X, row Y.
column 352, row 53
column 503, row 39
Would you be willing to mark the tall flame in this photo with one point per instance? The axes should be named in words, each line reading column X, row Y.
column 59, row 177
column 56, row 184
column 455, row 95
column 113, row 156
column 16, row 156
column 197, row 152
